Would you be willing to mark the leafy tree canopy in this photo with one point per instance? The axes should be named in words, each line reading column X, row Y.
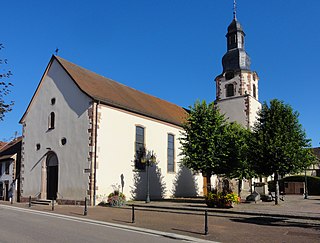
column 4, row 87
column 204, row 143
column 279, row 142
column 238, row 160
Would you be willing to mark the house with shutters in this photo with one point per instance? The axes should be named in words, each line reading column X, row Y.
column 81, row 134
column 10, row 163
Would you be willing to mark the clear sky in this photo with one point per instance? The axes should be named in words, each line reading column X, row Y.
column 171, row 49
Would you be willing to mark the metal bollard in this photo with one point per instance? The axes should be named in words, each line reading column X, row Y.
column 133, row 218
column 29, row 201
column 52, row 204
column 85, row 212
column 206, row 222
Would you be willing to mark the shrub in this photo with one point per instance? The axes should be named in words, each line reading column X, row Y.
column 221, row 200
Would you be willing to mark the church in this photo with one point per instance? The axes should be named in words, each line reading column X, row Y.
column 82, row 132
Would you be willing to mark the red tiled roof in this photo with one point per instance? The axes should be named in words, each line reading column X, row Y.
column 118, row 95
column 2, row 144
column 316, row 152
column 10, row 144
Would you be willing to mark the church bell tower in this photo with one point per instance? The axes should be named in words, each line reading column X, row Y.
column 237, row 86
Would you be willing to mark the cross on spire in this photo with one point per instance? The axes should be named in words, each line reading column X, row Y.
column 234, row 9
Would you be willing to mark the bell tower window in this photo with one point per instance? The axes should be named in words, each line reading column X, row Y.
column 254, row 91
column 230, row 90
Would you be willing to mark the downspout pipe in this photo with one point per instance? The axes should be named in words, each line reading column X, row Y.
column 95, row 152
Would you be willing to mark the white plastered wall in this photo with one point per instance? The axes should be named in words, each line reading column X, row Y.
column 243, row 106
column 71, row 122
column 255, row 106
column 234, row 110
column 116, row 149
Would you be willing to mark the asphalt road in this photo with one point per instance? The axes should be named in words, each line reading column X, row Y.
column 18, row 225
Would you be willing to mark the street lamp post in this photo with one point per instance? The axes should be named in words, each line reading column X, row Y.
column 305, row 184
column 148, row 159
column 148, row 183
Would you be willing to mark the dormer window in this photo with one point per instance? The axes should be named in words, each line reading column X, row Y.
column 229, row 90
column 51, row 121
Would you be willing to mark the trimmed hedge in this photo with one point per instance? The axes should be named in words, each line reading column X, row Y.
column 313, row 183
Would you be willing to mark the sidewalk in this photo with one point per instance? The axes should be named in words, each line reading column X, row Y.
column 293, row 206
column 186, row 216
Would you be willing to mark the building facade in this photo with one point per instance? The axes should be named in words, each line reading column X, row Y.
column 10, row 158
column 81, row 133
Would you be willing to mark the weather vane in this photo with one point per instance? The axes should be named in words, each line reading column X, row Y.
column 56, row 51
column 234, row 9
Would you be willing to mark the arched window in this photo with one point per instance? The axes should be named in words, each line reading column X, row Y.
column 170, row 153
column 230, row 90
column 254, row 91
column 140, row 148
column 51, row 120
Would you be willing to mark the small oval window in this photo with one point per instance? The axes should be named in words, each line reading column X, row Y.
column 53, row 101
column 63, row 141
column 38, row 146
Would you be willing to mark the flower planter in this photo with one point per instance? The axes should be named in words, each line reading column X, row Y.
column 222, row 201
column 116, row 202
column 116, row 199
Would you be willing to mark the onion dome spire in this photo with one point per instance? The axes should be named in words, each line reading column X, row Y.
column 236, row 58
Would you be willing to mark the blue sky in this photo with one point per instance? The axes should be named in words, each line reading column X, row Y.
column 171, row 49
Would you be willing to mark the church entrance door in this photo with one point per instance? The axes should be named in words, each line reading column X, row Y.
column 52, row 176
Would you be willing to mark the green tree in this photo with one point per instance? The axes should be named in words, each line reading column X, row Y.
column 204, row 147
column 279, row 144
column 238, row 164
column 4, row 87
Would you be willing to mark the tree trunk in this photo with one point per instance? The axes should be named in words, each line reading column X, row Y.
column 276, row 180
column 208, row 175
column 206, row 183
column 239, row 187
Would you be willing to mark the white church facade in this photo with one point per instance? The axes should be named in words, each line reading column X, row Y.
column 80, row 136
column 81, row 132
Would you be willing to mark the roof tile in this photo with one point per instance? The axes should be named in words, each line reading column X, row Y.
column 118, row 95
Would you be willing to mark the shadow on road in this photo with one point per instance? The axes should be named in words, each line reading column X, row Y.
column 269, row 221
